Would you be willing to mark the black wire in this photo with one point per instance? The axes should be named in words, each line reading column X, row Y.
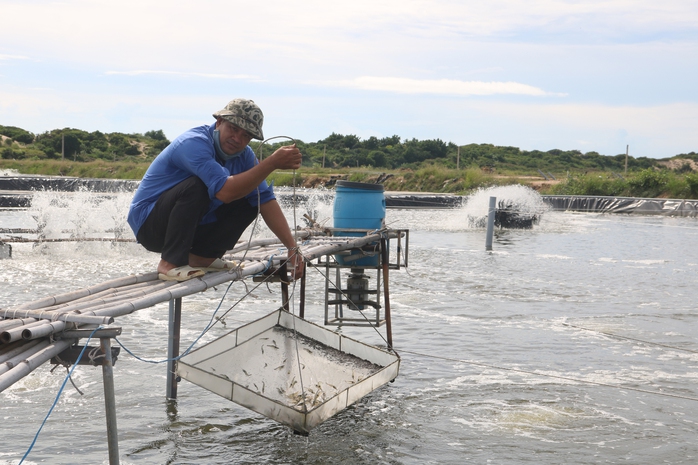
column 545, row 375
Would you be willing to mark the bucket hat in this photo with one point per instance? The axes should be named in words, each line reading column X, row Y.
column 244, row 114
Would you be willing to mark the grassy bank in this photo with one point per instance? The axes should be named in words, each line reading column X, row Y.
column 651, row 182
column 92, row 169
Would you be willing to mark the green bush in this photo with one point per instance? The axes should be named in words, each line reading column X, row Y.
column 648, row 183
column 590, row 184
column 9, row 153
column 692, row 183
column 18, row 134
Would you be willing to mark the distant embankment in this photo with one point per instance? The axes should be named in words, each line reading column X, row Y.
column 65, row 184
column 17, row 191
column 600, row 204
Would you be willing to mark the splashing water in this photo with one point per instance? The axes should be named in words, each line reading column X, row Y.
column 526, row 199
column 473, row 213
column 522, row 199
column 79, row 214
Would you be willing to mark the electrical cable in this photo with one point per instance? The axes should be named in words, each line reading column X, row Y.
column 631, row 338
column 60, row 391
column 545, row 375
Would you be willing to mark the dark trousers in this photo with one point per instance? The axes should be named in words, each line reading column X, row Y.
column 173, row 230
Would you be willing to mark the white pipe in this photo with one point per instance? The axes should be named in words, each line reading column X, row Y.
column 490, row 223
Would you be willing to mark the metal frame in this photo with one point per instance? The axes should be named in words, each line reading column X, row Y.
column 337, row 297
column 109, row 358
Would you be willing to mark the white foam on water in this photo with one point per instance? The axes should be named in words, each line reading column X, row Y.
column 526, row 199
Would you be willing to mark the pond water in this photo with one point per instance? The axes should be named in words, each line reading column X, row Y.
column 572, row 342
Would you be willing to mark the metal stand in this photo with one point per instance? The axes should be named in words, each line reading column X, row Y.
column 174, row 327
column 277, row 275
column 357, row 296
column 110, row 401
column 107, row 360
column 385, row 258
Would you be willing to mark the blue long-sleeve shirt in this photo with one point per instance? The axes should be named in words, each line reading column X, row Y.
column 192, row 154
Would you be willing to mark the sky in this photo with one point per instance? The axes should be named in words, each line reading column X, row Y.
column 582, row 75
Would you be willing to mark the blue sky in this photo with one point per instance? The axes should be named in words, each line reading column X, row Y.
column 539, row 74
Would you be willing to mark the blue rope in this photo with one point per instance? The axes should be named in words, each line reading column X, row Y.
column 208, row 326
column 60, row 391
column 268, row 265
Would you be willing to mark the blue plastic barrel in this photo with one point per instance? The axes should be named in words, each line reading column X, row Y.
column 358, row 205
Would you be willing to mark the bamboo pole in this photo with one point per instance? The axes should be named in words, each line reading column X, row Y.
column 10, row 363
column 105, row 298
column 11, row 323
column 31, row 363
column 36, row 332
column 21, row 240
column 16, row 348
column 15, row 334
column 85, row 302
column 68, row 296
column 101, row 303
column 85, row 318
column 269, row 241
column 182, row 289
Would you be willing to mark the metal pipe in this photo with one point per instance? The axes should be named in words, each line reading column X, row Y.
column 110, row 401
column 490, row 223
column 174, row 326
column 385, row 258
column 301, row 302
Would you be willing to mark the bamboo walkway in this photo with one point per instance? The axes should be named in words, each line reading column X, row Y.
column 34, row 332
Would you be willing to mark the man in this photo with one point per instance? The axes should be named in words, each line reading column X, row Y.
column 202, row 192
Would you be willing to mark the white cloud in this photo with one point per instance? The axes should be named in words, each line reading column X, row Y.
column 13, row 57
column 439, row 86
column 652, row 131
column 623, row 65
column 143, row 72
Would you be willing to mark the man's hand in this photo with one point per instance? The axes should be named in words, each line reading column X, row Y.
column 295, row 266
column 287, row 157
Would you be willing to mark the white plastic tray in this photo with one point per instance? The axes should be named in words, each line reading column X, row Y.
column 288, row 369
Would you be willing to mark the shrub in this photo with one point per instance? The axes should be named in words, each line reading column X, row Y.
column 18, row 134
column 692, row 182
column 648, row 183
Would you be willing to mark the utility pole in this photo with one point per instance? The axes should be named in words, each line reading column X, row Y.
column 458, row 159
column 627, row 148
column 324, row 147
column 62, row 146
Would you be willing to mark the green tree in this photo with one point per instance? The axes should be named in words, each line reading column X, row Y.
column 17, row 134
column 157, row 135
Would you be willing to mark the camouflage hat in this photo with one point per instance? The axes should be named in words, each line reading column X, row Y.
column 244, row 114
